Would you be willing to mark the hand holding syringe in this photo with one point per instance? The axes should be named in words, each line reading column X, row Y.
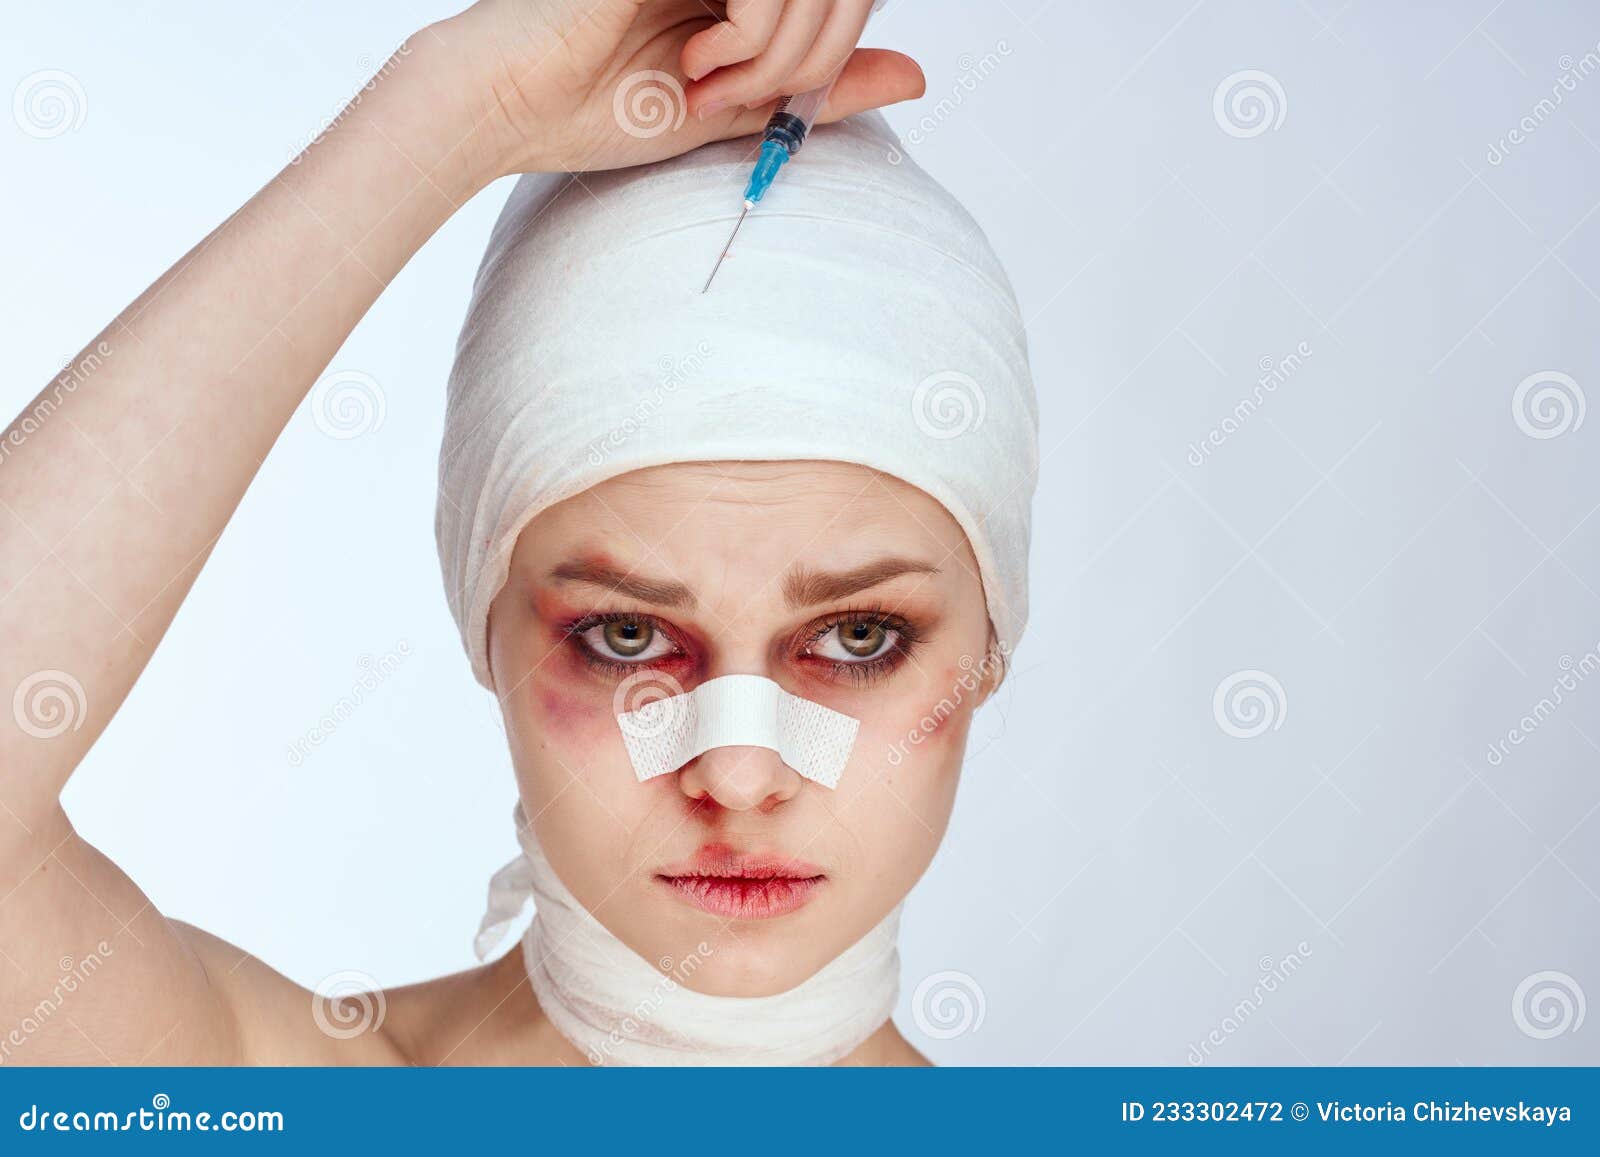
column 785, row 133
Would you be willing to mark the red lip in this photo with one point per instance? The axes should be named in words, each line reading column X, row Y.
column 743, row 886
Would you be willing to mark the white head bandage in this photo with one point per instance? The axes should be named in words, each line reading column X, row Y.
column 620, row 1010
column 738, row 711
column 861, row 317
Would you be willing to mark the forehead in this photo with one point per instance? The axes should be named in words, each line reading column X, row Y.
column 753, row 520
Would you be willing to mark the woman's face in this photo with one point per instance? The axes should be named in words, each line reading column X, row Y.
column 847, row 587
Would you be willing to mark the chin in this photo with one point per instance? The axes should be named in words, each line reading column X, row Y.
column 740, row 969
column 736, row 958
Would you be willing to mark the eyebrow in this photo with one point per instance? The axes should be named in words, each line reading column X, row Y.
column 802, row 587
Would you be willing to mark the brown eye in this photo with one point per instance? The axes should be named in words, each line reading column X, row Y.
column 862, row 639
column 627, row 638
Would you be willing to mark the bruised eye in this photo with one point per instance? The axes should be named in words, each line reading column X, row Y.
column 855, row 640
column 628, row 639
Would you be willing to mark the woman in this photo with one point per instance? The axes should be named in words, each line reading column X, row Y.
column 788, row 507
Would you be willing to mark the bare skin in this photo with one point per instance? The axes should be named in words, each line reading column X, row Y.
column 112, row 494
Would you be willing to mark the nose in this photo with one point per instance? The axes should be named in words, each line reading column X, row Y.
column 740, row 778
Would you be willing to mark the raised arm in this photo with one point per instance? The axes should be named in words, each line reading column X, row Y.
column 117, row 480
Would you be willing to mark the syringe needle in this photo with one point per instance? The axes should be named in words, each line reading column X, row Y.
column 727, row 247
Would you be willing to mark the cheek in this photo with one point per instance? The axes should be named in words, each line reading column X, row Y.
column 566, row 715
column 924, row 725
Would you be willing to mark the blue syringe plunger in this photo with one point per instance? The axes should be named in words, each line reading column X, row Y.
column 773, row 155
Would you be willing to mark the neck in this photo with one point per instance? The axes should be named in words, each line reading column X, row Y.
column 614, row 1007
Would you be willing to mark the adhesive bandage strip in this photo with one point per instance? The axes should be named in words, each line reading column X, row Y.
column 739, row 711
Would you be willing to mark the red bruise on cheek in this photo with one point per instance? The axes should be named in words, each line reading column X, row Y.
column 570, row 714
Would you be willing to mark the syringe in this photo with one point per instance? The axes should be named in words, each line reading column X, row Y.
column 781, row 139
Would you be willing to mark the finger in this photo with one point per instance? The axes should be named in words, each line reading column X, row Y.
column 742, row 36
column 752, row 82
column 832, row 46
column 872, row 78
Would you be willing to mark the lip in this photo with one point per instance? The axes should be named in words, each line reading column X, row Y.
column 743, row 885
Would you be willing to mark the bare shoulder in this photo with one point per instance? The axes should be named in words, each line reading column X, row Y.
column 279, row 1022
column 481, row 1016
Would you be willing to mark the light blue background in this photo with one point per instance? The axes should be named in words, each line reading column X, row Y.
column 1380, row 536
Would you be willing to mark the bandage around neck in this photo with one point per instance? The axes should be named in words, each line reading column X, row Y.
column 738, row 711
column 618, row 1009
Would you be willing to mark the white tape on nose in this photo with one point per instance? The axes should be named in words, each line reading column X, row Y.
column 739, row 711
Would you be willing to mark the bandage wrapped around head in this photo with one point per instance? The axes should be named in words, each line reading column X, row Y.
column 861, row 317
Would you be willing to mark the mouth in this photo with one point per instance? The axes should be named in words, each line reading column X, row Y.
column 741, row 886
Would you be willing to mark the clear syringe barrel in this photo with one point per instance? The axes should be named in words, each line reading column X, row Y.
column 794, row 116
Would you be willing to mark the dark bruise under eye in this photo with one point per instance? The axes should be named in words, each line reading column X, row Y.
column 622, row 635
column 880, row 641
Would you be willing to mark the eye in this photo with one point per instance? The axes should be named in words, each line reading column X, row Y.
column 855, row 641
column 626, row 639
